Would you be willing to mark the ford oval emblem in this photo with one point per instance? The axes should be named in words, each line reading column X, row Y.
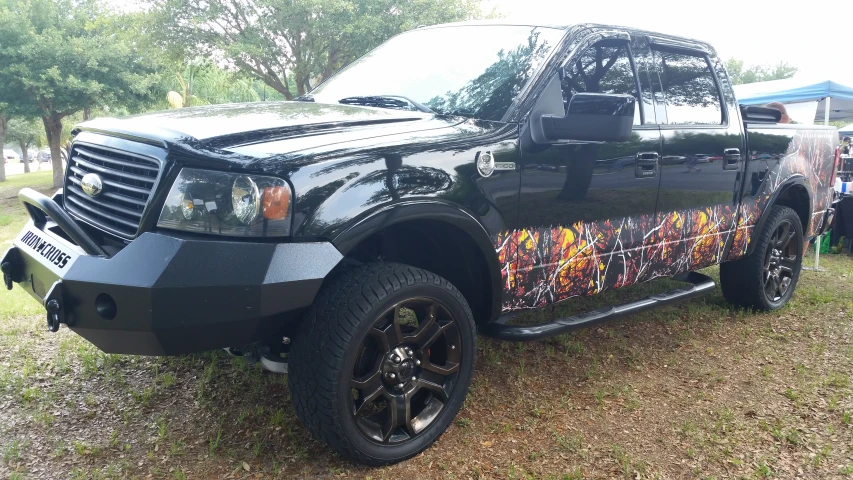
column 485, row 164
column 92, row 184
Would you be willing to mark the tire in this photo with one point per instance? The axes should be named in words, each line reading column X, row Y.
column 766, row 279
column 345, row 354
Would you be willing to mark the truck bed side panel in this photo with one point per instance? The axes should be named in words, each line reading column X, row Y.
column 780, row 155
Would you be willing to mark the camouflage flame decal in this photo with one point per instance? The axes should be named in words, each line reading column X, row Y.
column 545, row 265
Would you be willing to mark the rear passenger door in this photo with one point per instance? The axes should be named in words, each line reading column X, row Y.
column 702, row 153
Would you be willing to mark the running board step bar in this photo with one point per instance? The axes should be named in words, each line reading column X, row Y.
column 699, row 285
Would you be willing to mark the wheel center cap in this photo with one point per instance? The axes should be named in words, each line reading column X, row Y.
column 399, row 366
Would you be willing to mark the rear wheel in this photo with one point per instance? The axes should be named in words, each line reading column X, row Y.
column 383, row 362
column 765, row 280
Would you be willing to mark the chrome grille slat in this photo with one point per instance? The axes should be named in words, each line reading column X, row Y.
column 115, row 196
column 116, row 161
column 128, row 181
column 92, row 220
column 109, row 171
column 102, row 213
column 101, row 203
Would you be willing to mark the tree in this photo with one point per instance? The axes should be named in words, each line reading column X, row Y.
column 4, row 119
column 68, row 56
column 758, row 73
column 27, row 133
column 204, row 83
column 294, row 44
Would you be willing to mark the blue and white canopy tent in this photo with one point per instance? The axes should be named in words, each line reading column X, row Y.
column 807, row 99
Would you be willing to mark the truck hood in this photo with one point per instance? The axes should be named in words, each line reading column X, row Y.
column 234, row 124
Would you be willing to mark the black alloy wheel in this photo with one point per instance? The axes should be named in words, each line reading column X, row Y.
column 382, row 362
column 780, row 261
column 766, row 278
column 405, row 371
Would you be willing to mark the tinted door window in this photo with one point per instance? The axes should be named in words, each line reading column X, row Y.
column 606, row 67
column 689, row 88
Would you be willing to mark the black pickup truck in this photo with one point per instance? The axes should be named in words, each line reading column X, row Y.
column 453, row 177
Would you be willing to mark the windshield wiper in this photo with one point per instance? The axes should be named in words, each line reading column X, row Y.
column 396, row 102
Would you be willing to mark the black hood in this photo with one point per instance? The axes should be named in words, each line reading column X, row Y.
column 234, row 124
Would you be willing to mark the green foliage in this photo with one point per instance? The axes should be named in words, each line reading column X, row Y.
column 758, row 73
column 25, row 131
column 67, row 56
column 201, row 82
column 291, row 45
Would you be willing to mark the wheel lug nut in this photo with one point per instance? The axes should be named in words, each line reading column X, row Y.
column 395, row 359
column 409, row 351
column 400, row 386
column 418, row 363
column 391, row 375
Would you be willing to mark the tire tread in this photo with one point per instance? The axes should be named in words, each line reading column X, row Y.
column 740, row 280
column 326, row 332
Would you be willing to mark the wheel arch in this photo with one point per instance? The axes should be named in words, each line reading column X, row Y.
column 795, row 193
column 437, row 237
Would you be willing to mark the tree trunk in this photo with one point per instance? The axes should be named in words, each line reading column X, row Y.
column 25, row 157
column 87, row 112
column 53, row 129
column 3, row 121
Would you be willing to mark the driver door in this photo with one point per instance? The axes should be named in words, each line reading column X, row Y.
column 588, row 208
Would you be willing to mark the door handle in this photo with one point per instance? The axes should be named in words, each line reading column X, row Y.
column 731, row 159
column 647, row 164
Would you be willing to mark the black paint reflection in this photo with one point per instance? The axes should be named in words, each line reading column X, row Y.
column 603, row 68
column 490, row 95
column 690, row 91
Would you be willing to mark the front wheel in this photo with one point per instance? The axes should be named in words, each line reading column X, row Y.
column 765, row 280
column 383, row 362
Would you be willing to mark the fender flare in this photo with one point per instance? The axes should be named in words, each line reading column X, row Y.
column 413, row 210
column 794, row 180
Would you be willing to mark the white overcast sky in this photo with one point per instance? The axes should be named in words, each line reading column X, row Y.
column 810, row 34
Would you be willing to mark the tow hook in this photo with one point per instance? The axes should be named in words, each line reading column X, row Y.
column 53, row 308
column 7, row 266
column 53, row 305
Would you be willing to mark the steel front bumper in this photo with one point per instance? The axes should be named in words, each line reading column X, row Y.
column 162, row 295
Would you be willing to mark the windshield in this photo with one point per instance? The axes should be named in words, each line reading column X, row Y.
column 474, row 71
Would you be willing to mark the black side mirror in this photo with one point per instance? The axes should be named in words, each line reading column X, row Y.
column 593, row 117
column 599, row 117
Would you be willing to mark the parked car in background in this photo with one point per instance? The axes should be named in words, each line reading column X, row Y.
column 10, row 156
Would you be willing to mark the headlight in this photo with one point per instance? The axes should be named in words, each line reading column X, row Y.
column 228, row 204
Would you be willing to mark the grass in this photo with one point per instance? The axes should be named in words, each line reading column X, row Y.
column 696, row 390
column 12, row 219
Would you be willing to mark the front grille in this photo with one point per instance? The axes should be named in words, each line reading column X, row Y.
column 128, row 182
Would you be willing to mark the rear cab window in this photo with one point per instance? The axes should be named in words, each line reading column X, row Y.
column 690, row 90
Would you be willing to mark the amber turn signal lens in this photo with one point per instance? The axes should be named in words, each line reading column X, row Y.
column 276, row 203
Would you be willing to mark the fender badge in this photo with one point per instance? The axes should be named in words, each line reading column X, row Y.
column 486, row 164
